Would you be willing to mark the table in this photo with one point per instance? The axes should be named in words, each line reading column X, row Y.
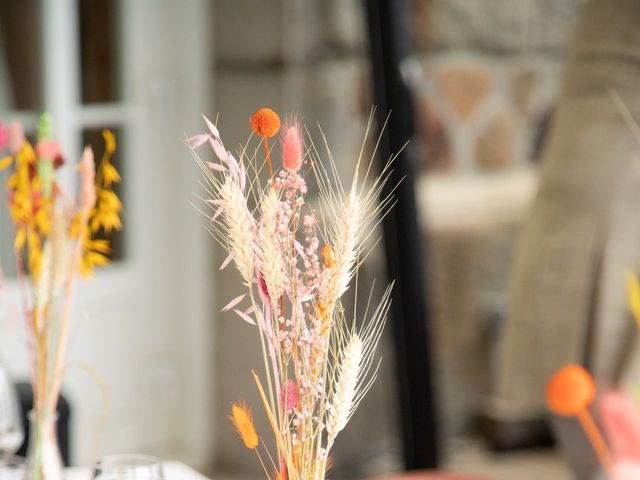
column 172, row 471
column 428, row 475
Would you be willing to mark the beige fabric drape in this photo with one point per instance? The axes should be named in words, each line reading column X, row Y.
column 567, row 291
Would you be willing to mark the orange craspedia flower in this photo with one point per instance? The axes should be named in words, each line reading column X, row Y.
column 570, row 391
column 265, row 122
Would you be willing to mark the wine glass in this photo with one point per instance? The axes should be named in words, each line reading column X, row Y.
column 127, row 467
column 11, row 429
column 13, row 467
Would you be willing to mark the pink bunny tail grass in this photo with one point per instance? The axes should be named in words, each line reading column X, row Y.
column 15, row 137
column 289, row 395
column 621, row 422
column 88, row 189
column 4, row 136
column 627, row 470
column 292, row 147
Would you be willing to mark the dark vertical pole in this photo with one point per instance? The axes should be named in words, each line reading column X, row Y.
column 389, row 46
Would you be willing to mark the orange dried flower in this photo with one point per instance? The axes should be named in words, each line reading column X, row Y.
column 570, row 391
column 265, row 122
column 328, row 255
column 241, row 419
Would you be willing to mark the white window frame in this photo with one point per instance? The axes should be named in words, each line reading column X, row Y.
column 149, row 321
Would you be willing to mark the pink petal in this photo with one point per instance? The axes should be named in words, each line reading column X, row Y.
column 226, row 262
column 292, row 148
column 245, row 317
column 621, row 422
column 300, row 249
column 212, row 128
column 197, row 140
column 4, row 136
column 47, row 149
column 289, row 395
column 219, row 150
column 232, row 161
column 243, row 177
column 233, row 302
column 233, row 168
column 307, row 297
column 627, row 470
column 216, row 166
column 15, row 136
column 217, row 213
column 263, row 287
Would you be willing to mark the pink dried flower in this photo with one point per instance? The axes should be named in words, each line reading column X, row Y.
column 263, row 287
column 48, row 149
column 621, row 422
column 289, row 395
column 88, row 189
column 292, row 148
column 3, row 136
column 15, row 137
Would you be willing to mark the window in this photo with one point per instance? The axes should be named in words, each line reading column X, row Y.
column 63, row 57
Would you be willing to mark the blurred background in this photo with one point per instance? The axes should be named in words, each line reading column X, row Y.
column 485, row 80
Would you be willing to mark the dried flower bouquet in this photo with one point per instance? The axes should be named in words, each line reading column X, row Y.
column 296, row 264
column 55, row 238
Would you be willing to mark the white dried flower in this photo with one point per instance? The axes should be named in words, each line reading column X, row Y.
column 342, row 404
column 240, row 228
column 272, row 267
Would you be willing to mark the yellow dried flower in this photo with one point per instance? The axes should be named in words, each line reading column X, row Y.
column 104, row 216
column 109, row 141
column 633, row 289
column 5, row 162
column 109, row 174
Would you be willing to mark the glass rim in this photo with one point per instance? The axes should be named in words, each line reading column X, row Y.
column 11, row 460
column 33, row 413
column 128, row 460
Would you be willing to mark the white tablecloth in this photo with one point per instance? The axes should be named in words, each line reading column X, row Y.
column 172, row 471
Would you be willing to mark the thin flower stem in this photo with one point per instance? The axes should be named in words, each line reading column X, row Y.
column 273, row 464
column 274, row 425
column 264, row 352
column 261, row 462
column 66, row 314
column 597, row 442
column 266, row 150
column 25, row 311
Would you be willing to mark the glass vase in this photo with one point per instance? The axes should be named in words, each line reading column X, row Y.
column 127, row 467
column 44, row 461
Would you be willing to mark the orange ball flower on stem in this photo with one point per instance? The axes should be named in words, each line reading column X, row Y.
column 570, row 391
column 266, row 124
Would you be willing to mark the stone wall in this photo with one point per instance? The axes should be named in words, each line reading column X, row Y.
column 492, row 73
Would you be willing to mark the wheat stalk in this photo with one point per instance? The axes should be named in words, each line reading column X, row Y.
column 341, row 406
column 269, row 246
column 240, row 227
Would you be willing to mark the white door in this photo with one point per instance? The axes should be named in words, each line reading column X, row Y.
column 144, row 322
